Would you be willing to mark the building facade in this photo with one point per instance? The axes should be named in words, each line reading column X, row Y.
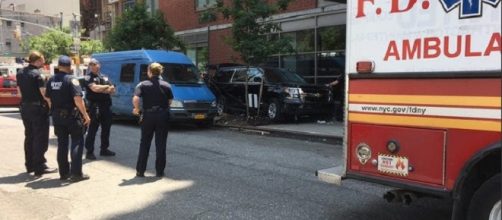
column 16, row 26
column 99, row 16
column 316, row 27
column 21, row 19
column 65, row 9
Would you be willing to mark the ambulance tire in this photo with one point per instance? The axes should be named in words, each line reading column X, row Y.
column 484, row 200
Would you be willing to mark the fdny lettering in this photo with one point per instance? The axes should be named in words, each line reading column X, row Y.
column 396, row 6
column 56, row 85
column 468, row 8
column 434, row 47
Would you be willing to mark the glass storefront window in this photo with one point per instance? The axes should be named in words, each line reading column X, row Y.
column 192, row 54
column 272, row 61
column 199, row 57
column 302, row 41
column 331, row 38
column 202, row 55
column 304, row 64
column 330, row 64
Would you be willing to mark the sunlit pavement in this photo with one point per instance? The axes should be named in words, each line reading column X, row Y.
column 211, row 174
column 112, row 189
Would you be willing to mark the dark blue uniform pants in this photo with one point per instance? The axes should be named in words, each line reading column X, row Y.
column 36, row 136
column 65, row 127
column 153, row 123
column 100, row 115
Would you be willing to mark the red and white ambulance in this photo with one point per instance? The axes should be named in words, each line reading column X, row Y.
column 424, row 101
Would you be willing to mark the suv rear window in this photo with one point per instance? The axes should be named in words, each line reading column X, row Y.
column 224, row 76
column 240, row 75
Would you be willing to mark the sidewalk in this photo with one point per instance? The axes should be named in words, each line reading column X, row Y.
column 310, row 129
column 8, row 109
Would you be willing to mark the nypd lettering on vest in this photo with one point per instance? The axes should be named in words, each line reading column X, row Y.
column 56, row 85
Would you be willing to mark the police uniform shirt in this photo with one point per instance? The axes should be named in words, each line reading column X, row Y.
column 30, row 81
column 150, row 92
column 98, row 80
column 61, row 89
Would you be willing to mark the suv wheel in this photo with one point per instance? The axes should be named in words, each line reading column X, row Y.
column 274, row 110
column 220, row 106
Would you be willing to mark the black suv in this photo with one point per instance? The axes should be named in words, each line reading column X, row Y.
column 283, row 93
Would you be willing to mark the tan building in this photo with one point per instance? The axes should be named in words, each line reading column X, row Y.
column 21, row 19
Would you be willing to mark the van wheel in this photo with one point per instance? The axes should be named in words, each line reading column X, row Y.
column 220, row 106
column 485, row 203
column 274, row 111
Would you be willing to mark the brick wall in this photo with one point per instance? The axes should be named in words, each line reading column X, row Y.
column 219, row 50
column 181, row 14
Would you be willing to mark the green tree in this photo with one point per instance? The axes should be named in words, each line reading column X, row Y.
column 251, row 27
column 51, row 43
column 89, row 47
column 138, row 29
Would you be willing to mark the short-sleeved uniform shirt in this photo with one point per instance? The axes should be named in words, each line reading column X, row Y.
column 30, row 81
column 154, row 92
column 98, row 79
column 61, row 89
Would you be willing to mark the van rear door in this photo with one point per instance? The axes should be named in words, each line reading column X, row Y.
column 124, row 90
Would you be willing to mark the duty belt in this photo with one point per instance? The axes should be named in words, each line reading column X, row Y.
column 155, row 109
column 32, row 103
column 65, row 113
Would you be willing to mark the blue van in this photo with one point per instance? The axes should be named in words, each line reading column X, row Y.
column 193, row 101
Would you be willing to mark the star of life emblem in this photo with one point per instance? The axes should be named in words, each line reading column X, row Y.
column 468, row 8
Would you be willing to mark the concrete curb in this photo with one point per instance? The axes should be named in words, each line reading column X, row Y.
column 309, row 136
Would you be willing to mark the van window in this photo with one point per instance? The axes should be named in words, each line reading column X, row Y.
column 180, row 73
column 127, row 72
column 143, row 72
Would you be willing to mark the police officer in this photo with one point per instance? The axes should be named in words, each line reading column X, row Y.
column 99, row 89
column 157, row 97
column 68, row 109
column 35, row 114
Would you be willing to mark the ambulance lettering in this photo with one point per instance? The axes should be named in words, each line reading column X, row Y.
column 434, row 47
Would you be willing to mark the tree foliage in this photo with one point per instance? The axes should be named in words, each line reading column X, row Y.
column 136, row 28
column 251, row 28
column 51, row 43
column 89, row 47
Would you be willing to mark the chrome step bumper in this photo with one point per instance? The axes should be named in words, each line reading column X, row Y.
column 333, row 175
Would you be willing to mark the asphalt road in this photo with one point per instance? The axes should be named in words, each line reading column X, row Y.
column 211, row 174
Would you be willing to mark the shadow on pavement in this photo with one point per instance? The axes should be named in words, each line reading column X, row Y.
column 19, row 178
column 12, row 115
column 47, row 183
column 138, row 181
